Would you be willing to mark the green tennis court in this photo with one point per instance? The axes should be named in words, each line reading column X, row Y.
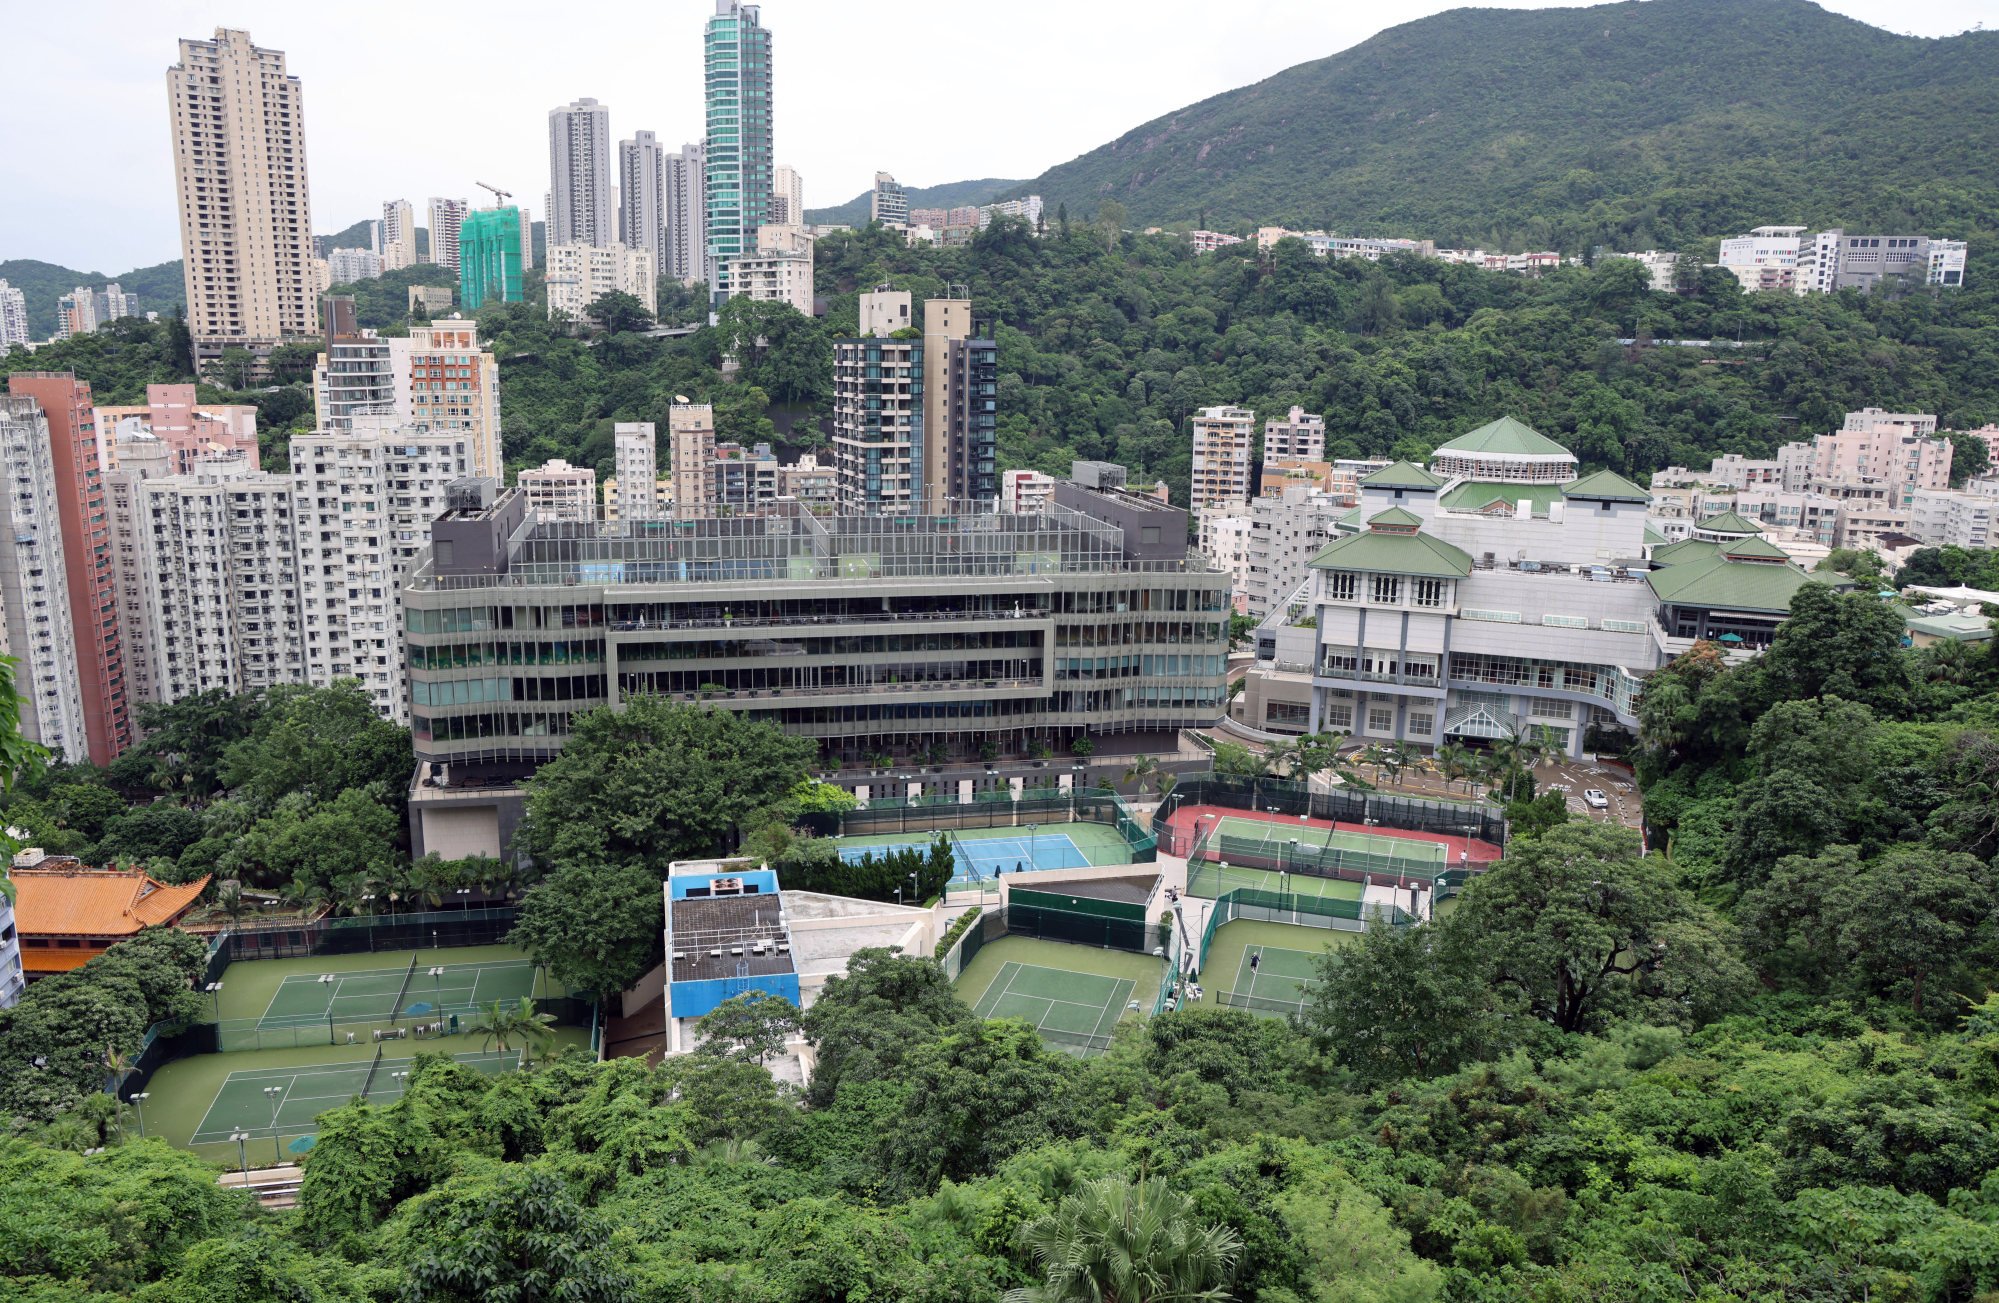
column 1284, row 958
column 381, row 993
column 1213, row 880
column 283, row 1101
column 1413, row 850
column 1073, row 1010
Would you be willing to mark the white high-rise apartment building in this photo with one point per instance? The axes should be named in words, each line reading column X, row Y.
column 638, row 471
column 76, row 313
column 787, row 197
column 446, row 217
column 685, row 201
column 555, row 490
column 527, row 238
column 398, row 235
column 204, row 573
column 582, row 209
column 366, row 498
column 437, row 376
column 1224, row 540
column 13, row 318
column 36, row 630
column 580, row 274
column 642, row 195
column 1301, row 436
column 245, row 213
column 346, row 266
column 111, row 303
column 1224, row 440
column 889, row 203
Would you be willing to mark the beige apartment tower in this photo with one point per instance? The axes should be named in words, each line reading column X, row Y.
column 691, row 431
column 245, row 216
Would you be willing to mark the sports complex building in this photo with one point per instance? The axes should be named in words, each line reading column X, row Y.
column 969, row 632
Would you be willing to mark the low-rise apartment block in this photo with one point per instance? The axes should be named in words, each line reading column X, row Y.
column 1298, row 436
column 580, row 274
column 555, row 490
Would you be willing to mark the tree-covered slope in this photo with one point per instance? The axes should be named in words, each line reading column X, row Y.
column 949, row 195
column 1652, row 123
column 159, row 287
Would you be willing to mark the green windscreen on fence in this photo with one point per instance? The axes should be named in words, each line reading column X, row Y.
column 1118, row 909
column 1298, row 911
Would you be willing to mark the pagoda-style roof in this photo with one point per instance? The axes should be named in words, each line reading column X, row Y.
column 1753, row 548
column 1728, row 523
column 1605, row 486
column 1401, row 475
column 1393, row 546
column 1506, row 437
column 1720, row 582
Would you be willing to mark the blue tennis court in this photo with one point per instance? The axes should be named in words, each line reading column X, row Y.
column 989, row 857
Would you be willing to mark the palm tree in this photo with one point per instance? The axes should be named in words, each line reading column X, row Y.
column 506, row 1025
column 230, row 901
column 1143, row 770
column 1454, row 761
column 1121, row 1241
column 1281, row 758
column 118, row 1065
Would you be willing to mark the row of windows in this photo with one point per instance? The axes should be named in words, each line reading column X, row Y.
column 1384, row 590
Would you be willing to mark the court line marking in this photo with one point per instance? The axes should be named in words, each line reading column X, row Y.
column 1120, row 992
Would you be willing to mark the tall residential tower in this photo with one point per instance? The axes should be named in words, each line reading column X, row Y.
column 580, row 179
column 736, row 61
column 245, row 217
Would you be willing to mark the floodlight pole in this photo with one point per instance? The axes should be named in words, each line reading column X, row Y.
column 242, row 1139
column 276, row 1095
column 139, row 1103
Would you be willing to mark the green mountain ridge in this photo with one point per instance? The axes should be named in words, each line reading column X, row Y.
column 1648, row 124
column 949, row 195
column 159, row 287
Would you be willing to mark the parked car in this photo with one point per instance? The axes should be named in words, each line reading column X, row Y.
column 1595, row 799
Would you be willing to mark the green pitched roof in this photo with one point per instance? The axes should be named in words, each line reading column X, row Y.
column 1402, row 475
column 1416, row 555
column 1732, row 585
column 1506, row 436
column 1481, row 495
column 1397, row 516
column 1755, row 547
column 1728, row 523
column 1653, row 538
column 1351, row 517
column 1606, row 486
column 1687, row 549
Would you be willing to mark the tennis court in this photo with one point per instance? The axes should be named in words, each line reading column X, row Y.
column 1073, row 995
column 384, row 993
column 1214, row 880
column 981, row 853
column 284, row 1101
column 1283, row 955
column 1234, row 829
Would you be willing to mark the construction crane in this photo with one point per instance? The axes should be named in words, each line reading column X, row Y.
column 499, row 196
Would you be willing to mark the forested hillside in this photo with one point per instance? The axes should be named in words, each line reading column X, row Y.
column 160, row 288
column 1650, row 124
column 1107, row 347
column 949, row 195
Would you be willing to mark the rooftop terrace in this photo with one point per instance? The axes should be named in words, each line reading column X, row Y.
column 786, row 543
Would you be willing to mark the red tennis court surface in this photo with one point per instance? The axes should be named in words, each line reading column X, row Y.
column 1186, row 819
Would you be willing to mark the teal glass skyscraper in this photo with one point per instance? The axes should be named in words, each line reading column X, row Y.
column 736, row 50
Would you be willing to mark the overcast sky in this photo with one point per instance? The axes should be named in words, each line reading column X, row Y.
column 406, row 99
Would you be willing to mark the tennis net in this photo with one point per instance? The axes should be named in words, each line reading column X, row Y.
column 368, row 1083
column 967, row 867
column 397, row 1011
